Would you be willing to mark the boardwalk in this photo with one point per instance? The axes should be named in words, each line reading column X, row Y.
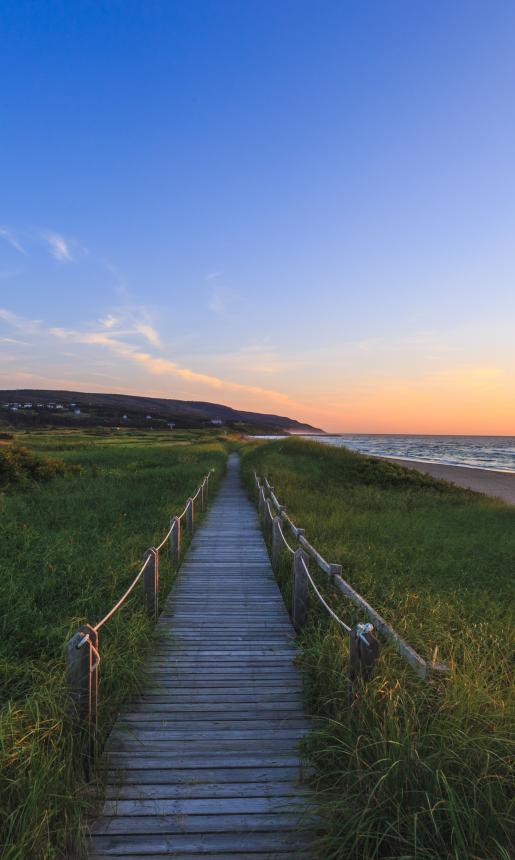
column 205, row 763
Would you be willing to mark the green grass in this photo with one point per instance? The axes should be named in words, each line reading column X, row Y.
column 72, row 540
column 413, row 770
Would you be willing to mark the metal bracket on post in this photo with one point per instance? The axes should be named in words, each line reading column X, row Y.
column 151, row 584
column 300, row 590
column 82, row 661
column 363, row 651
column 175, row 540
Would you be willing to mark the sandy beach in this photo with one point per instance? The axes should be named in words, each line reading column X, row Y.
column 500, row 484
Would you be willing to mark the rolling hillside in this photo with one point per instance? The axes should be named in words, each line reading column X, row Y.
column 110, row 408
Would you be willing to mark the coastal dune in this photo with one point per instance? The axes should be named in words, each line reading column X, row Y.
column 499, row 484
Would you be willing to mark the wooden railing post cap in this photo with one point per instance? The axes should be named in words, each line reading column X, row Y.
column 76, row 640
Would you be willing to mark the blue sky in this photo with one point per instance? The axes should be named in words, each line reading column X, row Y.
column 300, row 207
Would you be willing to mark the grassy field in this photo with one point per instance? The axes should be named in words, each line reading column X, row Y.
column 72, row 535
column 413, row 771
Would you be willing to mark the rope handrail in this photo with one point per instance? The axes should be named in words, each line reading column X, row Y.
column 321, row 599
column 154, row 552
column 333, row 571
column 122, row 599
column 185, row 511
column 167, row 535
column 287, row 545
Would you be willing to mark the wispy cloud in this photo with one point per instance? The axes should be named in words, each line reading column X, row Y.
column 131, row 321
column 109, row 321
column 18, row 322
column 13, row 241
column 212, row 276
column 149, row 333
column 59, row 247
column 122, row 335
column 13, row 340
column 159, row 365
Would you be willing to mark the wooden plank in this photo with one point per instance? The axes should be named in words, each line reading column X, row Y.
column 148, row 759
column 227, row 789
column 128, row 825
column 221, row 806
column 234, row 843
column 193, row 779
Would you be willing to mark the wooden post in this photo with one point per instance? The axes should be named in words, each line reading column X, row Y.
column 276, row 541
column 175, row 540
column 190, row 516
column 202, row 496
column 151, row 584
column 300, row 590
column 82, row 681
column 363, row 652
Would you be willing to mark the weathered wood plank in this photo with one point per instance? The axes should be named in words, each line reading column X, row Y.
column 128, row 825
column 201, row 844
column 271, row 788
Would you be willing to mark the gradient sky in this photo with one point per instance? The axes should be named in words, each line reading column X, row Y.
column 298, row 207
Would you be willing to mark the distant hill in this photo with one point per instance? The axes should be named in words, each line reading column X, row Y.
column 109, row 409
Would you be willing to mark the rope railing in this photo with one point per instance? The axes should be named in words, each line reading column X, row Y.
column 323, row 602
column 167, row 536
column 302, row 578
column 122, row 599
column 285, row 542
column 82, row 663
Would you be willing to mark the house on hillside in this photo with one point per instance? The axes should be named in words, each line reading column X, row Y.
column 216, row 421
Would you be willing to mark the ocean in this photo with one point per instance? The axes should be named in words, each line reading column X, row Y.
column 496, row 453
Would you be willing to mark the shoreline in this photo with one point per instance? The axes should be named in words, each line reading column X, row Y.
column 440, row 463
column 501, row 485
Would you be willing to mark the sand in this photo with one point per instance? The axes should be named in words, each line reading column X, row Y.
column 500, row 484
